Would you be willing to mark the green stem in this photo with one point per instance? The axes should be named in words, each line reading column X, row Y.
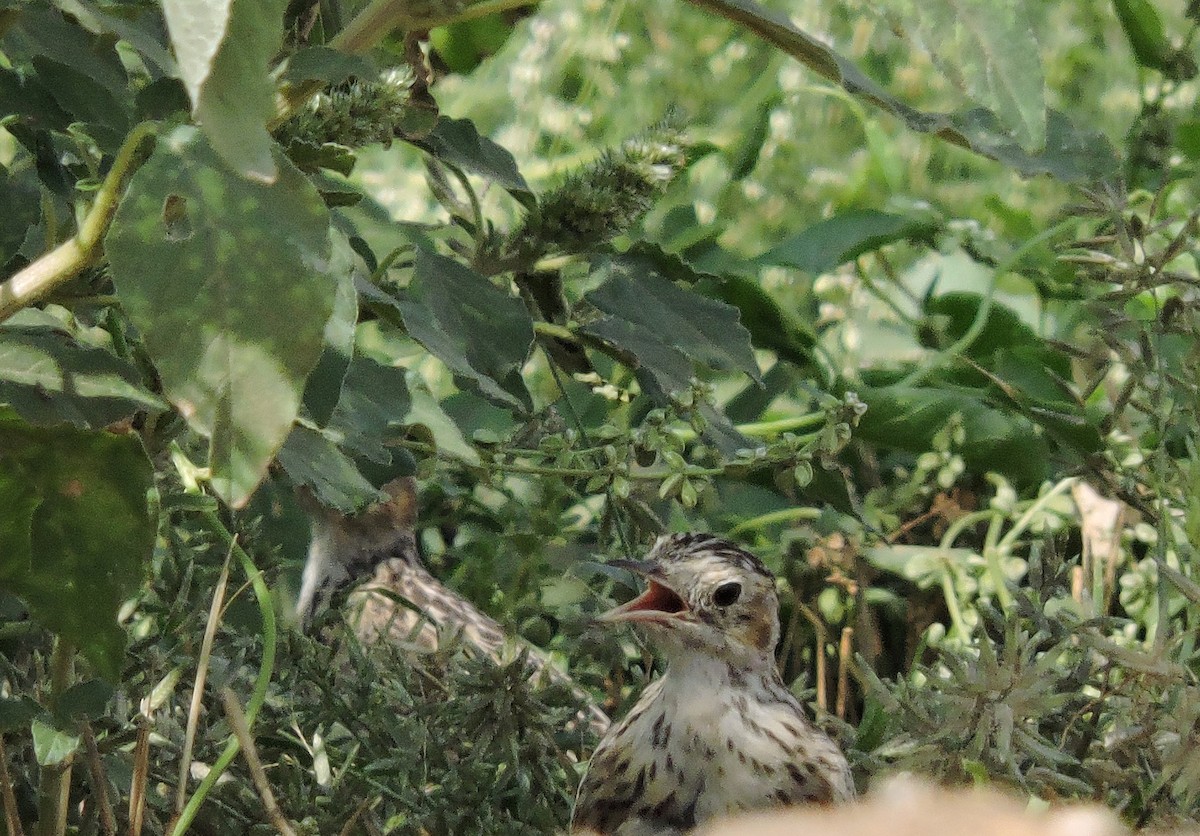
column 784, row 515
column 992, row 554
column 54, row 783
column 1025, row 519
column 957, row 623
column 265, row 670
column 981, row 316
column 73, row 256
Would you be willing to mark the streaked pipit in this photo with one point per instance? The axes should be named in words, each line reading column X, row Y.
column 718, row 732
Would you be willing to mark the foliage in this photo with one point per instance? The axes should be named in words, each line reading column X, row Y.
column 663, row 276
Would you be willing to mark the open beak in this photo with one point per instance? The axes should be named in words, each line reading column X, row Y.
column 658, row 604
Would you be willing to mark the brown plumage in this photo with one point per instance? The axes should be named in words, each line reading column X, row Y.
column 719, row 732
column 375, row 553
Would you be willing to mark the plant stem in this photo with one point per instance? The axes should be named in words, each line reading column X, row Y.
column 12, row 821
column 54, row 784
column 265, row 670
column 75, row 255
column 981, row 316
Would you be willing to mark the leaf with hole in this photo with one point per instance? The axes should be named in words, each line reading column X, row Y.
column 228, row 281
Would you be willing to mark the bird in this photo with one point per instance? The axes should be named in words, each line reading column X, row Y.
column 373, row 556
column 718, row 732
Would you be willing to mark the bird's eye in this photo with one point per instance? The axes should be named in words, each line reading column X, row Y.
column 727, row 593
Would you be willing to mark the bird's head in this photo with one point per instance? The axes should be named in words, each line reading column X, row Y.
column 704, row 594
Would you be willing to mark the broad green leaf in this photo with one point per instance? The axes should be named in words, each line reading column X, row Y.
column 374, row 396
column 1070, row 153
column 464, row 45
column 46, row 33
column 84, row 700
column 426, row 412
column 224, row 49
column 141, row 27
column 456, row 141
column 987, row 49
column 19, row 206
column 1144, row 31
column 324, row 385
column 770, row 325
column 646, row 351
column 482, row 333
column 49, row 378
column 907, row 418
column 951, row 316
column 663, row 328
column 313, row 460
column 79, row 530
column 16, row 713
column 52, row 746
column 834, row 241
column 228, row 280
column 104, row 115
column 321, row 63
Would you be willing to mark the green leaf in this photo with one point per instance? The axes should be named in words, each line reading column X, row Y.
column 224, row 51
column 84, row 701
column 832, row 242
column 324, row 385
column 313, row 460
column 139, row 26
column 49, row 378
column 16, row 713
column 951, row 316
column 770, row 326
column 48, row 34
column 1144, row 31
column 456, row 141
column 373, row 397
column 661, row 328
column 1069, row 154
column 79, row 530
column 744, row 157
column 228, row 280
column 19, row 205
column 464, row 45
column 987, row 49
column 907, row 418
column 106, row 116
column 52, row 746
column 482, row 333
column 332, row 66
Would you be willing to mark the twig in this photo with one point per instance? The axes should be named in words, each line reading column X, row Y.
column 206, row 645
column 822, row 637
column 54, row 784
column 845, row 649
column 237, row 722
column 265, row 670
column 11, row 820
column 141, row 776
column 99, row 781
column 73, row 256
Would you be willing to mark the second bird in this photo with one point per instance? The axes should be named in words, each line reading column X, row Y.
column 719, row 732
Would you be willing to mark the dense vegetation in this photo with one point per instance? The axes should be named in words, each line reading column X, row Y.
column 909, row 310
